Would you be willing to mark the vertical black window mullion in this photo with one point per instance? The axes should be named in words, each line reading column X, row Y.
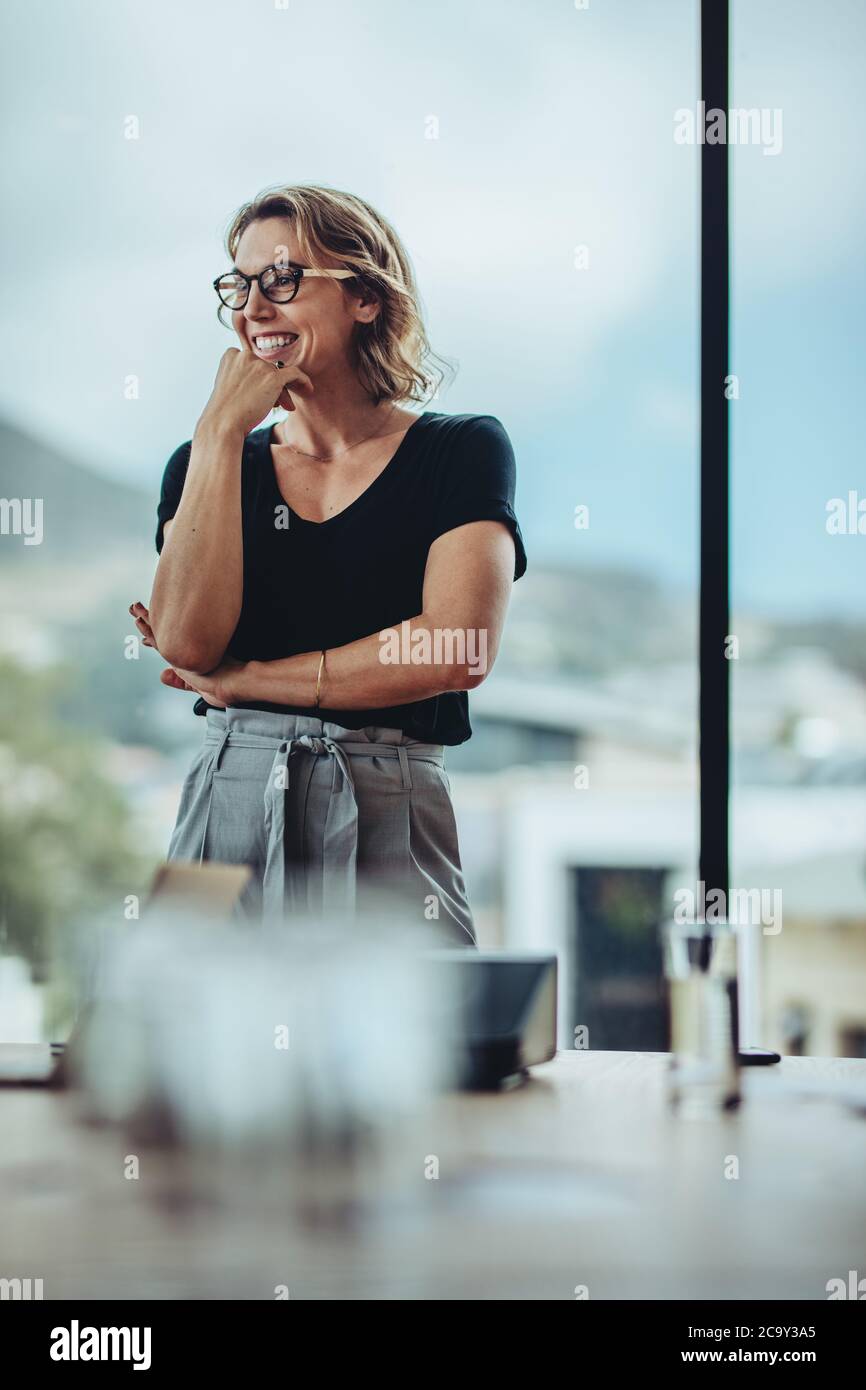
column 714, row 755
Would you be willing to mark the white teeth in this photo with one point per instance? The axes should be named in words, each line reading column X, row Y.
column 278, row 341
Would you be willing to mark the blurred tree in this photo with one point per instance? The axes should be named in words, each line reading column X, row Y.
column 66, row 836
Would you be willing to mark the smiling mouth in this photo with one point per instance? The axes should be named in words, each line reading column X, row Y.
column 266, row 344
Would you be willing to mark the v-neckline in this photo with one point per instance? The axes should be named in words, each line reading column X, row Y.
column 305, row 521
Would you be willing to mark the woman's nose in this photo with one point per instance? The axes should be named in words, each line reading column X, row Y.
column 258, row 306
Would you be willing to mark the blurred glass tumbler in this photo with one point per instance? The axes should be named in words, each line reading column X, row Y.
column 701, row 967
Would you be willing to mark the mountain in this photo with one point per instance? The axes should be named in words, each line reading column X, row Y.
column 84, row 513
column 70, row 594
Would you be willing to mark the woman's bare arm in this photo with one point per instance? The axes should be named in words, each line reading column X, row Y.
column 451, row 645
column 198, row 589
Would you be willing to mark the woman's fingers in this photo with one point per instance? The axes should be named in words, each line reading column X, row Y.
column 296, row 380
column 170, row 677
column 304, row 382
column 142, row 622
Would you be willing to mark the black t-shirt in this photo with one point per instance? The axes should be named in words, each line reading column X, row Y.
column 308, row 585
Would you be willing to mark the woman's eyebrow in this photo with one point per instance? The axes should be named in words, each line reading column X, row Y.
column 295, row 265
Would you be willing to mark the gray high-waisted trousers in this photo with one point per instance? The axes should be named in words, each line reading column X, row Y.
column 318, row 811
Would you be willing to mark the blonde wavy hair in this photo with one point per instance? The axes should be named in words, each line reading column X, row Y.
column 394, row 359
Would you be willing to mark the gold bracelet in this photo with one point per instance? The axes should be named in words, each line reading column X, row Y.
column 319, row 679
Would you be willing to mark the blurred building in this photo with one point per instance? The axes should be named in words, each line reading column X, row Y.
column 578, row 840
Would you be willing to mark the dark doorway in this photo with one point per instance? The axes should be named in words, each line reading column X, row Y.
column 619, row 991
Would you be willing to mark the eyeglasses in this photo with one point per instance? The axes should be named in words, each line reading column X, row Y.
column 280, row 284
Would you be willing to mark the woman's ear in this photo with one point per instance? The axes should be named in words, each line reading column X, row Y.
column 367, row 306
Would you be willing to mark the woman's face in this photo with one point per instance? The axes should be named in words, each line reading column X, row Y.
column 322, row 315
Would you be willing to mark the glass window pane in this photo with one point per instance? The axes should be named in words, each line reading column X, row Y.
column 798, row 520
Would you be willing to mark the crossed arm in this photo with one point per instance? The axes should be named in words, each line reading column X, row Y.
column 467, row 585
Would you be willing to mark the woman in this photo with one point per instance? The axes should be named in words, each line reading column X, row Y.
column 332, row 585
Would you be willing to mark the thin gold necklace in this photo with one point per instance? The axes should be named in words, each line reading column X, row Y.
column 326, row 458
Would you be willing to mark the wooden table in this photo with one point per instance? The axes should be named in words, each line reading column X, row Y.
column 580, row 1179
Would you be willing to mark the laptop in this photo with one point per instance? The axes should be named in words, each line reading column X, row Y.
column 503, row 1019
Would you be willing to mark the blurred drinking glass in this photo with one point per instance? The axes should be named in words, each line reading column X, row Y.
column 700, row 961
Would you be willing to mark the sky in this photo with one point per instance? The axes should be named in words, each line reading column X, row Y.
column 555, row 130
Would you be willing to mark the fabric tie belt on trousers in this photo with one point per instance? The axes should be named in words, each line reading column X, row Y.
column 340, row 832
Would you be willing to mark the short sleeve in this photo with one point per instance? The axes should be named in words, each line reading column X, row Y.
column 478, row 479
column 173, row 479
